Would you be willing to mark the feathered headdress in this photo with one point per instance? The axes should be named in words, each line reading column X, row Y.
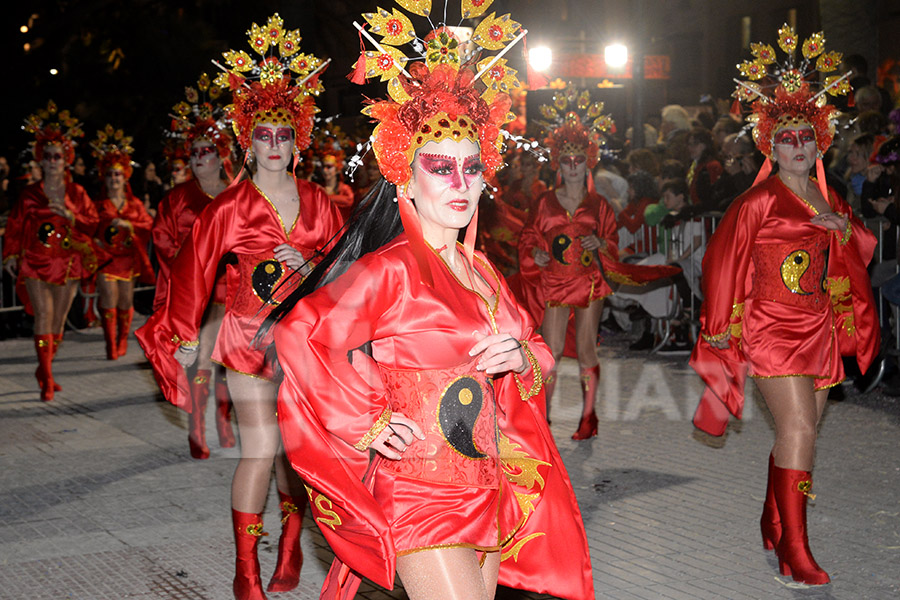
column 575, row 125
column 783, row 94
column 201, row 116
column 51, row 126
column 112, row 148
column 276, row 89
column 440, row 96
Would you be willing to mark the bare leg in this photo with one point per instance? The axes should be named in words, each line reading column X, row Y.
column 63, row 296
column 587, row 321
column 444, row 574
column 553, row 328
column 796, row 409
column 209, row 330
column 125, row 293
column 254, row 403
column 490, row 571
column 108, row 292
column 41, row 297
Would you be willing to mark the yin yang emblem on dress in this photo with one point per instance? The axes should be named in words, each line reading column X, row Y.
column 265, row 275
column 458, row 410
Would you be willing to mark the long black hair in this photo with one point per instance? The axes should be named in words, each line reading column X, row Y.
column 374, row 222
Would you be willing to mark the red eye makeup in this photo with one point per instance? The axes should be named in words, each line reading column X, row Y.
column 795, row 138
column 573, row 161
column 202, row 151
column 446, row 168
column 51, row 156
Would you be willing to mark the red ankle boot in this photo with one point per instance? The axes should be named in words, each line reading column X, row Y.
column 794, row 556
column 124, row 323
column 43, row 346
column 223, row 411
column 57, row 340
column 549, row 386
column 197, row 418
column 290, row 557
column 108, row 321
column 247, row 531
column 770, row 522
column 587, row 428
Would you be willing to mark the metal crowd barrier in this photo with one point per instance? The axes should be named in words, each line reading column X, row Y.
column 647, row 241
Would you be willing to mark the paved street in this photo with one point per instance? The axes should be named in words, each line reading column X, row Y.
column 99, row 498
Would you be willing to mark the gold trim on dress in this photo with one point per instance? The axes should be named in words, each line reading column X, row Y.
column 287, row 232
column 376, row 429
column 239, row 372
column 439, row 546
column 535, row 371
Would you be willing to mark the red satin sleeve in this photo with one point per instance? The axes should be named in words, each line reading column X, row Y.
column 313, row 342
column 532, row 237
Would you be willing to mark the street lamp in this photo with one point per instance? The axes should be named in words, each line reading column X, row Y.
column 540, row 58
column 615, row 56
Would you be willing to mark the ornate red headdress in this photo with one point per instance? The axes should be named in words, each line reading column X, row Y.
column 786, row 95
column 112, row 149
column 51, row 126
column 266, row 91
column 576, row 125
column 436, row 98
column 201, row 116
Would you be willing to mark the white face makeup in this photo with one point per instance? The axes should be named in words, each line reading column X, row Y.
column 795, row 149
column 272, row 144
column 204, row 159
column 446, row 184
column 53, row 160
column 573, row 168
column 115, row 180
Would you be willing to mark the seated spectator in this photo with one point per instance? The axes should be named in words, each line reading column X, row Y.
column 741, row 163
column 635, row 236
column 681, row 243
column 705, row 168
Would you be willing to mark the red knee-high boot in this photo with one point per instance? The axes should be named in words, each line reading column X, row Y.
column 770, row 522
column 587, row 428
column 247, row 531
column 549, row 386
column 124, row 322
column 794, row 556
column 108, row 318
column 43, row 345
column 290, row 557
column 197, row 427
column 223, row 410
column 57, row 340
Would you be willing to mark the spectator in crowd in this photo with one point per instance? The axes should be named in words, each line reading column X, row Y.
column 740, row 163
column 705, row 168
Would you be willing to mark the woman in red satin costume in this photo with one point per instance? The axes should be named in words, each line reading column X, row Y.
column 275, row 225
column 199, row 125
column 558, row 253
column 786, row 294
column 47, row 246
column 123, row 234
column 447, row 390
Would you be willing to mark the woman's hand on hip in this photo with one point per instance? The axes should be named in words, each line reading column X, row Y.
column 394, row 439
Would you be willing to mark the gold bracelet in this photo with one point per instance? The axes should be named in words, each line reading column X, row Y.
column 846, row 237
column 715, row 338
column 184, row 343
column 382, row 422
column 535, row 372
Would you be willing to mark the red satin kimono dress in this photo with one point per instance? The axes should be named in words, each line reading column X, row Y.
column 794, row 296
column 573, row 277
column 174, row 218
column 50, row 247
column 127, row 248
column 241, row 220
column 487, row 476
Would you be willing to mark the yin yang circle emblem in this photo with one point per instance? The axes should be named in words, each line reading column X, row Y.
column 793, row 268
column 560, row 244
column 109, row 233
column 265, row 275
column 458, row 410
column 587, row 259
column 45, row 231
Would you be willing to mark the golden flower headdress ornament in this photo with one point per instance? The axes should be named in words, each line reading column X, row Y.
column 575, row 125
column 438, row 95
column 52, row 126
column 112, row 149
column 201, row 116
column 277, row 88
